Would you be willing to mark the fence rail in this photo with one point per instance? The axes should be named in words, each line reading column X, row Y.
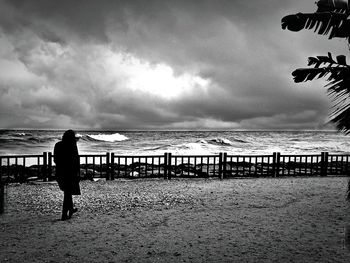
column 22, row 168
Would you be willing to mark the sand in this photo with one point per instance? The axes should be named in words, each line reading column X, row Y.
column 182, row 220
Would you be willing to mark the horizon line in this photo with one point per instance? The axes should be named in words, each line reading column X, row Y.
column 172, row 130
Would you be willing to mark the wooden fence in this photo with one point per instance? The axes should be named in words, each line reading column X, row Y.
column 23, row 168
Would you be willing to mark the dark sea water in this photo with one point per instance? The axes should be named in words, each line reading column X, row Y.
column 16, row 142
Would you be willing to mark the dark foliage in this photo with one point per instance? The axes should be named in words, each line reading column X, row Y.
column 332, row 19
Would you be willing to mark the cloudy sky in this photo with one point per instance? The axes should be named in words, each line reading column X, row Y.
column 162, row 64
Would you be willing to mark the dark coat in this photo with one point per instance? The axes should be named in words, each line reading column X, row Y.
column 66, row 158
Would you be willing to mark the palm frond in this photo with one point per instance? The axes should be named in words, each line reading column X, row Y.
column 337, row 73
column 331, row 23
column 333, row 5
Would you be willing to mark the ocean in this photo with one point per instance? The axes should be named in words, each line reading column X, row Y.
column 18, row 142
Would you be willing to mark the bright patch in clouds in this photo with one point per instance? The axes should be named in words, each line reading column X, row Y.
column 157, row 65
column 157, row 80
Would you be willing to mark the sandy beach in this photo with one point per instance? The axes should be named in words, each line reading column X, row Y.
column 182, row 220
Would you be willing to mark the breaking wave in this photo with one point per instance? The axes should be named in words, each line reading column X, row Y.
column 20, row 134
column 222, row 141
column 180, row 143
column 116, row 137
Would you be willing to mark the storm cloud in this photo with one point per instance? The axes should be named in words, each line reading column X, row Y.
column 158, row 65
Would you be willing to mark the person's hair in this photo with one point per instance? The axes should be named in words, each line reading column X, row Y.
column 69, row 136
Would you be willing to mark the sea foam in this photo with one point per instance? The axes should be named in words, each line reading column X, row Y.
column 221, row 141
column 115, row 137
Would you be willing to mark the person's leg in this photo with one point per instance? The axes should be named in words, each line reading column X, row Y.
column 70, row 200
column 72, row 210
column 66, row 204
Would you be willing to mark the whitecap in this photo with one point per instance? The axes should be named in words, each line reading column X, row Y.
column 221, row 141
column 115, row 137
column 19, row 134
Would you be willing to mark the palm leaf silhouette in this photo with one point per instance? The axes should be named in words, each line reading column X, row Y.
column 331, row 18
column 337, row 73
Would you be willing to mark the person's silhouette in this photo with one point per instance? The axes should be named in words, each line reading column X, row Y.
column 66, row 157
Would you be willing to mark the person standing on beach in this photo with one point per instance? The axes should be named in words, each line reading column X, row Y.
column 66, row 157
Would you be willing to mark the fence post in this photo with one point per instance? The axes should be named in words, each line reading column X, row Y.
column 112, row 166
column 224, row 161
column 49, row 166
column 165, row 165
column 324, row 163
column 169, row 166
column 44, row 168
column 276, row 163
column 108, row 177
column 220, row 165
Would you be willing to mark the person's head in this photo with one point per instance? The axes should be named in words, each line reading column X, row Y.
column 69, row 136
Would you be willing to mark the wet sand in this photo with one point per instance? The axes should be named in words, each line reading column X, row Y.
column 182, row 220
